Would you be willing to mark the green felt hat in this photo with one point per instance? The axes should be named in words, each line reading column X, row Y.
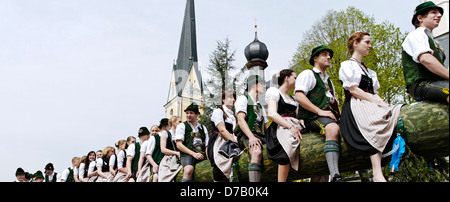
column 20, row 171
column 316, row 52
column 423, row 8
column 49, row 166
column 38, row 175
column 192, row 107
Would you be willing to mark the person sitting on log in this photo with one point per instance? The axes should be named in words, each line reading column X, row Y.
column 251, row 125
column 367, row 122
column 223, row 124
column 315, row 93
column 192, row 139
column 423, row 59
column 283, row 134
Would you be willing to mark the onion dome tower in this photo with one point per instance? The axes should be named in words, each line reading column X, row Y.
column 256, row 53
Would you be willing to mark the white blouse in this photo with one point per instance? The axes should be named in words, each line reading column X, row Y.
column 120, row 159
column 274, row 94
column 81, row 170
column 217, row 116
column 350, row 75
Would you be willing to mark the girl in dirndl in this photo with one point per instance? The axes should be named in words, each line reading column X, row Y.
column 223, row 124
column 283, row 135
column 122, row 170
column 170, row 164
column 367, row 122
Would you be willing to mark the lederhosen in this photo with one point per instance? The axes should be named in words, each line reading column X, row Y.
column 274, row 149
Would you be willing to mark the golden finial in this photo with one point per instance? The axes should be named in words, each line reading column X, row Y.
column 256, row 26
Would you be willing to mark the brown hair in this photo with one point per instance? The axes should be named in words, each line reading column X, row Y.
column 358, row 36
column 224, row 95
column 283, row 74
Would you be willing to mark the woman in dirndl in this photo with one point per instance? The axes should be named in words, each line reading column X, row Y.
column 223, row 123
column 367, row 122
column 283, row 135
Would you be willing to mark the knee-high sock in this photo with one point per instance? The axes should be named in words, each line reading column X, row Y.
column 331, row 150
column 254, row 172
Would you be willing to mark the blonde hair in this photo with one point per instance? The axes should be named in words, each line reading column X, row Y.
column 75, row 159
column 155, row 126
column 172, row 119
column 107, row 150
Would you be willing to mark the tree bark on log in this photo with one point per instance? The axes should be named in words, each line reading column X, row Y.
column 427, row 135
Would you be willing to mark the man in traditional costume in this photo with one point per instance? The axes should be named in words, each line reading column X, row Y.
column 423, row 59
column 315, row 93
column 192, row 139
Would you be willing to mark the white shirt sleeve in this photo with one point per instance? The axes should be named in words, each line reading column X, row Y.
column 179, row 133
column 91, row 167
column 164, row 133
column 81, row 170
column 99, row 162
column 131, row 150
column 120, row 158
column 112, row 160
column 151, row 146
column 272, row 94
column 144, row 146
column 75, row 171
column 349, row 74
column 241, row 104
column 65, row 174
column 416, row 43
column 305, row 81
column 217, row 117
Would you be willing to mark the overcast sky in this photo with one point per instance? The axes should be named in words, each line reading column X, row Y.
column 77, row 76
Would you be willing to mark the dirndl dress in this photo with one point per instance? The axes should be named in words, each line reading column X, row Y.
column 365, row 125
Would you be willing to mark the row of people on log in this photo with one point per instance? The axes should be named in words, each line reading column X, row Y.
column 366, row 122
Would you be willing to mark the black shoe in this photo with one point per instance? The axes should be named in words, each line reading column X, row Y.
column 337, row 178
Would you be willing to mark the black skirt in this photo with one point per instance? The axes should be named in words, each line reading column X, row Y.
column 352, row 135
column 275, row 151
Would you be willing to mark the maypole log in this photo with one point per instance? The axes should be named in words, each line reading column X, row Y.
column 427, row 135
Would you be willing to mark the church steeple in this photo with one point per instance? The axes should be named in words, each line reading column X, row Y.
column 186, row 84
column 187, row 52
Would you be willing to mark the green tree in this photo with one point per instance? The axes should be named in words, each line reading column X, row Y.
column 221, row 78
column 334, row 29
column 221, row 67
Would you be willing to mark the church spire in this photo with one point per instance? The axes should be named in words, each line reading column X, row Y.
column 187, row 52
column 186, row 82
